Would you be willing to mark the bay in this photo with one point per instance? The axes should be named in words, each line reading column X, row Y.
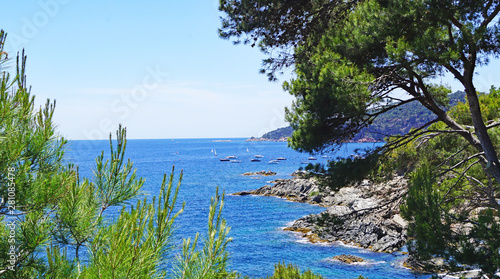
column 256, row 222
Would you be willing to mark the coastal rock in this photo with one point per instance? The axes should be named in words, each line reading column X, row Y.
column 348, row 259
column 366, row 215
column 242, row 193
column 296, row 189
column 263, row 173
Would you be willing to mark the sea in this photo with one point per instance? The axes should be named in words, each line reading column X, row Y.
column 257, row 222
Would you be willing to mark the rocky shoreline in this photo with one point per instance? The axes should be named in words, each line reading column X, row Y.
column 365, row 215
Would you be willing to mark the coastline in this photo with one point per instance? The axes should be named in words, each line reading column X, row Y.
column 365, row 215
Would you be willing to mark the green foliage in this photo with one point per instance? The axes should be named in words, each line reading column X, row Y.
column 135, row 245
column 53, row 217
column 114, row 181
column 398, row 121
column 452, row 204
column 481, row 246
column 421, row 209
column 279, row 133
column 329, row 108
column 277, row 24
column 32, row 172
column 282, row 271
column 59, row 266
column 211, row 261
column 345, row 171
column 350, row 56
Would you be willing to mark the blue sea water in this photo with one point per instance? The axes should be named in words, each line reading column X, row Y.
column 256, row 222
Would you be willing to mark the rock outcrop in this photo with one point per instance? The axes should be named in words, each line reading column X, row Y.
column 263, row 173
column 348, row 259
column 366, row 215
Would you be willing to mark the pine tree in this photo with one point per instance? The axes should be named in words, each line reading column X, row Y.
column 53, row 223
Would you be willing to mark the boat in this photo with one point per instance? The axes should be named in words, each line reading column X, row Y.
column 274, row 162
column 259, row 156
column 281, row 158
column 247, row 149
column 223, row 159
column 215, row 152
column 232, row 157
column 235, row 161
column 325, row 156
column 312, row 158
column 255, row 160
column 304, row 163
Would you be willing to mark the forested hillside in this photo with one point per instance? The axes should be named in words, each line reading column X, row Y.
column 396, row 121
column 278, row 133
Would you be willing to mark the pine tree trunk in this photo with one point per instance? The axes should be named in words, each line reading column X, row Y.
column 492, row 166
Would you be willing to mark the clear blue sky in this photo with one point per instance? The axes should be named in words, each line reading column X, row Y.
column 157, row 67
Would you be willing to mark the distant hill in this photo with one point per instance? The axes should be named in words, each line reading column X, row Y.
column 396, row 121
column 279, row 133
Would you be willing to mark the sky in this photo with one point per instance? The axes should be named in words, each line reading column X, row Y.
column 157, row 67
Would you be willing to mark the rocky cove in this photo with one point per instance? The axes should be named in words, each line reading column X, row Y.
column 365, row 214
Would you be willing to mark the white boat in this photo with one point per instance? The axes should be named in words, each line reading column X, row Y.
column 215, row 152
column 255, row 160
column 259, row 156
column 232, row 157
column 281, row 158
column 274, row 162
column 235, row 161
column 247, row 149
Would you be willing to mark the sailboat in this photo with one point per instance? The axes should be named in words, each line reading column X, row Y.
column 247, row 149
column 215, row 152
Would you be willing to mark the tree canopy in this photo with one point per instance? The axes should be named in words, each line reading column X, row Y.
column 353, row 61
column 350, row 56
